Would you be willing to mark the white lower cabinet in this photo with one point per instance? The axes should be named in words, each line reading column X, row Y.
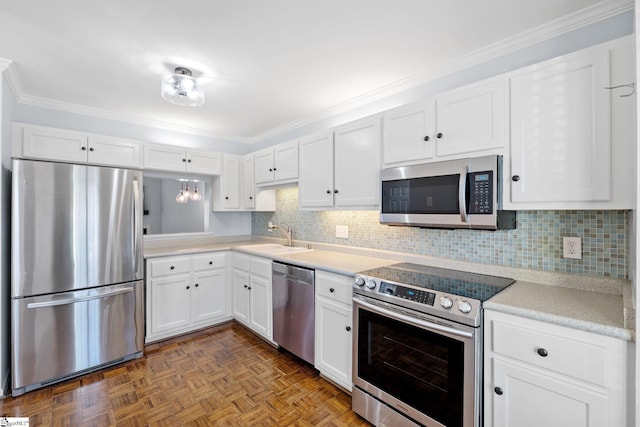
column 540, row 374
column 252, row 293
column 333, row 334
column 185, row 293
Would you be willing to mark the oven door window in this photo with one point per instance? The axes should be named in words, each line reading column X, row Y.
column 421, row 368
column 432, row 195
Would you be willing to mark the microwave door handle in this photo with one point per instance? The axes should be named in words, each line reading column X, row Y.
column 462, row 199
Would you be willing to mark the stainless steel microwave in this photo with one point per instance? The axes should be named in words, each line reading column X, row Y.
column 465, row 193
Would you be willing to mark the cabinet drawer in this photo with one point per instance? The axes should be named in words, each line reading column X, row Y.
column 166, row 266
column 559, row 353
column 261, row 266
column 209, row 260
column 334, row 286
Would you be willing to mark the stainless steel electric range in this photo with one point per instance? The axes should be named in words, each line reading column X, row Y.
column 417, row 346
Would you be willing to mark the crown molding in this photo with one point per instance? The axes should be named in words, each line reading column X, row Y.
column 597, row 12
column 123, row 117
column 546, row 31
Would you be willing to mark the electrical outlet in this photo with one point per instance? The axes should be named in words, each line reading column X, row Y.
column 342, row 231
column 572, row 247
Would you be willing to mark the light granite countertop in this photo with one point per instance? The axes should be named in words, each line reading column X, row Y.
column 594, row 304
column 596, row 312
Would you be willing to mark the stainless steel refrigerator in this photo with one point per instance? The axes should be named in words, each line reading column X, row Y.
column 77, row 269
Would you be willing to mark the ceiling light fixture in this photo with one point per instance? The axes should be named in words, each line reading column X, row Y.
column 182, row 89
column 185, row 195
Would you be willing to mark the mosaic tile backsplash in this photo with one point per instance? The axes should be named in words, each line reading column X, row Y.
column 535, row 244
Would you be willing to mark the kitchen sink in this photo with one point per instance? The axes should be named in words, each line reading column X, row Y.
column 273, row 249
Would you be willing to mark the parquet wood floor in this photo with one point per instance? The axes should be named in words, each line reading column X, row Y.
column 221, row 376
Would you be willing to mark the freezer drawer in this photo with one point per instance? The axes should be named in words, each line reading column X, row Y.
column 61, row 335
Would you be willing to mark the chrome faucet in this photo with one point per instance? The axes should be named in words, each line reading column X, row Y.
column 288, row 231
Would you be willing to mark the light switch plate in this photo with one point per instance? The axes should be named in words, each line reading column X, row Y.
column 342, row 231
column 572, row 247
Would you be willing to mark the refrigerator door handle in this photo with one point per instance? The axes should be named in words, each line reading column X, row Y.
column 137, row 235
column 66, row 301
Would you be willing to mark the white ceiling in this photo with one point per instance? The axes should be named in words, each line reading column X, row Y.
column 265, row 64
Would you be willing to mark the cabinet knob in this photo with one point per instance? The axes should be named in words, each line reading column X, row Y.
column 249, row 287
column 226, row 197
column 84, row 148
column 184, row 160
column 426, row 138
column 335, row 191
column 245, row 286
column 172, row 267
column 197, row 285
column 270, row 169
column 515, row 178
column 439, row 135
column 189, row 160
column 210, row 262
column 275, row 169
column 328, row 191
column 250, row 197
column 348, row 328
column 542, row 352
column 332, row 290
column 91, row 149
column 498, row 391
column 188, row 287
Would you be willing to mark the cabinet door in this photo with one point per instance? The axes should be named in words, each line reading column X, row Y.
column 263, row 166
column 333, row 340
column 357, row 164
column 114, row 152
column 531, row 399
column 560, row 136
column 209, row 296
column 260, row 305
column 54, row 144
column 230, row 180
column 170, row 304
column 316, row 171
column 164, row 157
column 409, row 133
column 249, row 194
column 285, row 160
column 204, row 162
column 472, row 119
column 241, row 296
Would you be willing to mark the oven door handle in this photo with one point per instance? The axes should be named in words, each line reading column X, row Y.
column 414, row 321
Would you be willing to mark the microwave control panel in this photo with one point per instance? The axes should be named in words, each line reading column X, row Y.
column 481, row 192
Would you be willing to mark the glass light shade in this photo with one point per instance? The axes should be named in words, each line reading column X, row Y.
column 195, row 194
column 182, row 89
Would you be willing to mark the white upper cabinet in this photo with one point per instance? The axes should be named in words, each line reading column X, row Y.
column 316, row 171
column 39, row 142
column 341, row 168
column 572, row 139
column 409, row 133
column 277, row 165
column 472, row 119
column 226, row 187
column 249, row 194
column 357, row 164
column 169, row 158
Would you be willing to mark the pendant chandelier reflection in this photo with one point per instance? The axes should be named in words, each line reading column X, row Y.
column 182, row 89
column 185, row 194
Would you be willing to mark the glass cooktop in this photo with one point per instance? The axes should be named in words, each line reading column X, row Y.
column 469, row 285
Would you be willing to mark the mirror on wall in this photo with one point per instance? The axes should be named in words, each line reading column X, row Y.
column 163, row 214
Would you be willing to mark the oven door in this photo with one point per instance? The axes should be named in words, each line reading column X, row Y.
column 428, row 371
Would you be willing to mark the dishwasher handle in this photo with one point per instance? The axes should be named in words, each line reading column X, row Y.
column 292, row 272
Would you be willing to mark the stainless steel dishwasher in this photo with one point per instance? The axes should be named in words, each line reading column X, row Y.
column 293, row 291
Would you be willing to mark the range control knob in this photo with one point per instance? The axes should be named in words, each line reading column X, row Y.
column 371, row 284
column 359, row 282
column 464, row 306
column 446, row 302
